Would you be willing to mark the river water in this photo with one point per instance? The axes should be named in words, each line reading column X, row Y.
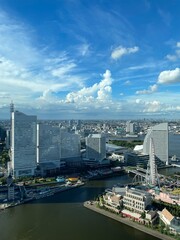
column 63, row 216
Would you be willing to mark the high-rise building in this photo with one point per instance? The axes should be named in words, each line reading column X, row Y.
column 130, row 127
column 23, row 144
column 48, row 144
column 70, row 146
column 159, row 135
column 56, row 145
column 96, row 147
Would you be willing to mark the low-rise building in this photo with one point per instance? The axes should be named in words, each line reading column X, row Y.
column 170, row 221
column 136, row 200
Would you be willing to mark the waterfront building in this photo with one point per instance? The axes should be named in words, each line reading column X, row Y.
column 70, row 148
column 56, row 145
column 136, row 159
column 48, row 147
column 23, row 144
column 136, row 200
column 159, row 135
column 96, row 147
column 170, row 221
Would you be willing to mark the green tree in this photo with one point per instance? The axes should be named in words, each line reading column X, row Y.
column 143, row 215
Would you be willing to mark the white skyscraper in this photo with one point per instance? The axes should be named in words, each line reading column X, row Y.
column 96, row 147
column 159, row 135
column 130, row 127
column 23, row 144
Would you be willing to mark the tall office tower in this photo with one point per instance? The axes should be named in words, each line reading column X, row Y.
column 96, row 147
column 130, row 127
column 159, row 135
column 23, row 144
column 48, row 144
column 11, row 111
column 70, row 146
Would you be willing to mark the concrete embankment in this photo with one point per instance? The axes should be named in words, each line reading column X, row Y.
column 50, row 193
column 126, row 221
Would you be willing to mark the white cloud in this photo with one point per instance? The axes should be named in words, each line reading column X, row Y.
column 45, row 82
column 154, row 106
column 152, row 88
column 169, row 76
column 98, row 92
column 148, row 106
column 61, row 70
column 27, row 72
column 120, row 51
column 174, row 57
column 84, row 49
column 15, row 41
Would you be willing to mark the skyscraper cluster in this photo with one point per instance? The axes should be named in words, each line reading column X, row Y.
column 33, row 144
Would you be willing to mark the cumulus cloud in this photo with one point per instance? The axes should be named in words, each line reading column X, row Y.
column 98, row 92
column 169, row 76
column 152, row 88
column 148, row 106
column 121, row 51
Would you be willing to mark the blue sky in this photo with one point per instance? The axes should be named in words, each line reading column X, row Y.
column 98, row 59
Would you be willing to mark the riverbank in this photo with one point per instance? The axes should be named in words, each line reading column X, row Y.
column 92, row 206
column 40, row 196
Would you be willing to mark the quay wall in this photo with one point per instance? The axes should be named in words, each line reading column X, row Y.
column 127, row 221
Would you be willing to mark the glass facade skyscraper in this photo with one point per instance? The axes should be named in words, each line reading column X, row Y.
column 23, row 144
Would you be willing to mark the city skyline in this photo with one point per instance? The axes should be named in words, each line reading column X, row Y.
column 90, row 60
